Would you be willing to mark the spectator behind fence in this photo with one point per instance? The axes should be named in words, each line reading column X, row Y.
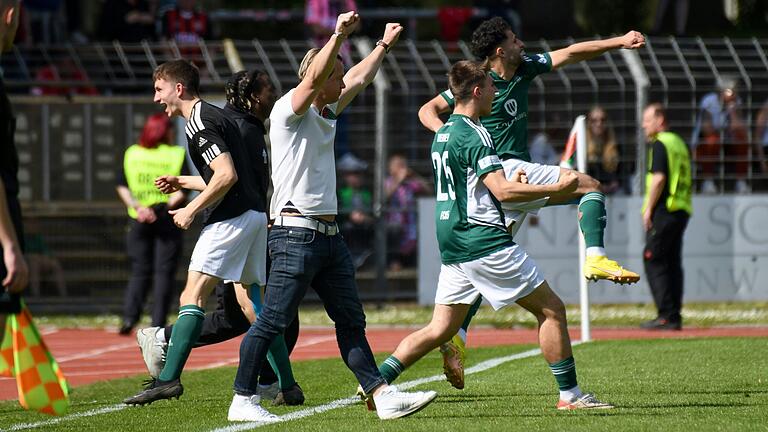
column 127, row 20
column 153, row 241
column 402, row 187
column 355, row 206
column 602, row 150
column 185, row 24
column 761, row 138
column 720, row 137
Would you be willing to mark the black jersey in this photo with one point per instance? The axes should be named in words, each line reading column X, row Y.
column 209, row 134
column 252, row 131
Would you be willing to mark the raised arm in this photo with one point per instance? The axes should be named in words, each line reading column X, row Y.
column 590, row 49
column 323, row 64
column 517, row 190
column 362, row 74
column 429, row 113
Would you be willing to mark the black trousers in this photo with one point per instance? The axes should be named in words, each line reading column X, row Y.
column 227, row 322
column 664, row 261
column 153, row 250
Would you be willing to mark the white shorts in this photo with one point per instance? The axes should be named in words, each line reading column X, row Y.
column 502, row 278
column 514, row 212
column 234, row 249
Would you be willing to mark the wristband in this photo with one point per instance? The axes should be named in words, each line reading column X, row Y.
column 384, row 45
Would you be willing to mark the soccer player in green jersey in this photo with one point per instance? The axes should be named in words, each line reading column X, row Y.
column 479, row 256
column 512, row 71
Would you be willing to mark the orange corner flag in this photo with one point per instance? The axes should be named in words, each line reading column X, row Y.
column 23, row 354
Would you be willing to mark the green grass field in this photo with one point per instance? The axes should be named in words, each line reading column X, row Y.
column 667, row 384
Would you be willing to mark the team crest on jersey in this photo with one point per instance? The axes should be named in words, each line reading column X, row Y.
column 511, row 107
column 443, row 137
column 202, row 142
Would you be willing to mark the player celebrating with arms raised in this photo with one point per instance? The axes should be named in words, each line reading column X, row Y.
column 479, row 256
column 512, row 72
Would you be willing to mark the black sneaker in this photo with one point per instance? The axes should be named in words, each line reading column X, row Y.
column 662, row 324
column 293, row 395
column 156, row 391
column 125, row 329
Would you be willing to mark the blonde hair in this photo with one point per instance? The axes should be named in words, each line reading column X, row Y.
column 306, row 61
column 603, row 149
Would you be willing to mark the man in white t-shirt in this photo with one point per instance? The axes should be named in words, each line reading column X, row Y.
column 304, row 243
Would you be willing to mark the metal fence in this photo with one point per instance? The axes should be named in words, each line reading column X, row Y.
column 96, row 97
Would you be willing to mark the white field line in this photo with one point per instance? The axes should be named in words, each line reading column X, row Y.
column 53, row 421
column 340, row 403
column 118, row 407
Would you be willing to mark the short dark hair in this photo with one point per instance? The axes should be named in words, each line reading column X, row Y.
column 243, row 85
column 489, row 35
column 466, row 75
column 658, row 109
column 179, row 71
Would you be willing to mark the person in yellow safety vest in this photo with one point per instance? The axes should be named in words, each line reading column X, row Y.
column 153, row 241
column 666, row 210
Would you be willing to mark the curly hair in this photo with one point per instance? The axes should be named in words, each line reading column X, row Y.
column 242, row 86
column 488, row 35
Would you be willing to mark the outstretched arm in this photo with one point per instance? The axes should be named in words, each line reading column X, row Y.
column 362, row 74
column 322, row 65
column 590, row 49
column 518, row 189
column 429, row 113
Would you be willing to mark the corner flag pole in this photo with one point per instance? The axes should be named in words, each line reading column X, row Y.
column 577, row 146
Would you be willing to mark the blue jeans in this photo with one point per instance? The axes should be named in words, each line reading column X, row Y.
column 302, row 257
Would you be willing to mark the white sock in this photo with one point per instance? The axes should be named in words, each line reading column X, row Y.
column 160, row 335
column 463, row 335
column 595, row 251
column 570, row 394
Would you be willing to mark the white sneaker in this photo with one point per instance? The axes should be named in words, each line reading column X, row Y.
column 152, row 350
column 248, row 408
column 268, row 392
column 392, row 403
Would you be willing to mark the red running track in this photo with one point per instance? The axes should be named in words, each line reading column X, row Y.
column 86, row 356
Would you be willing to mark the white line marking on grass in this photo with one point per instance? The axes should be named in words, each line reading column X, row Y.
column 22, row 426
column 340, row 403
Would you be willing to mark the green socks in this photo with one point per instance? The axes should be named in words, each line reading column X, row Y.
column 565, row 373
column 278, row 359
column 183, row 337
column 592, row 218
column 471, row 314
column 391, row 369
